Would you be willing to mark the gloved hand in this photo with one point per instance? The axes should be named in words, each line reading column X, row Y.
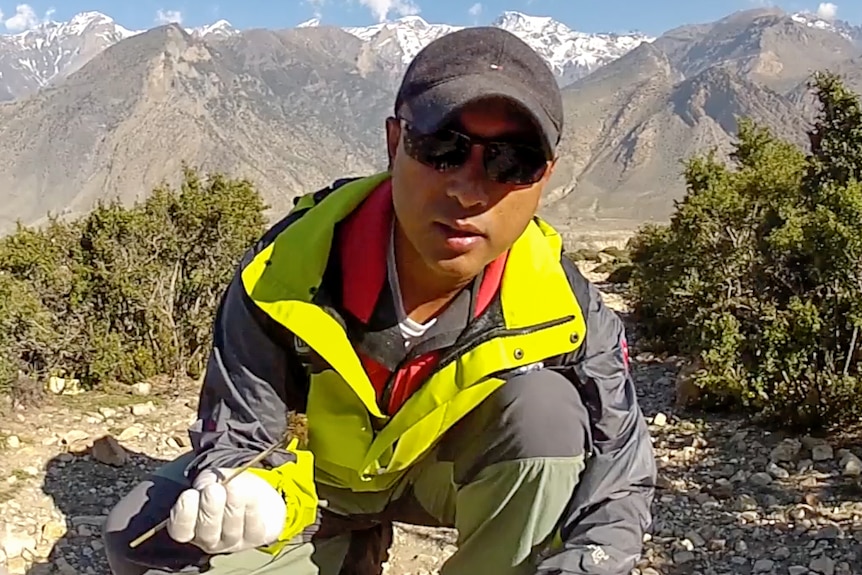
column 244, row 514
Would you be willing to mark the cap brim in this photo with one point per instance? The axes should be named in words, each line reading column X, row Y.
column 434, row 107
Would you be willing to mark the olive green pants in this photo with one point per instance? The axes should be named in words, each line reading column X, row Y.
column 502, row 477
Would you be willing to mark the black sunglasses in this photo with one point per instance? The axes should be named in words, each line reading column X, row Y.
column 447, row 149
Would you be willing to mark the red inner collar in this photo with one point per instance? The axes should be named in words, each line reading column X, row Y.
column 363, row 241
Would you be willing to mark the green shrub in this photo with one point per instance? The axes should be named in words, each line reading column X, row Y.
column 621, row 274
column 758, row 276
column 584, row 255
column 124, row 293
column 605, row 268
column 617, row 254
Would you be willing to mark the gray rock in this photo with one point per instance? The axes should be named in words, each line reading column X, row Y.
column 821, row 452
column 851, row 466
column 760, row 479
column 787, row 450
column 822, row 565
column 777, row 471
column 683, row 557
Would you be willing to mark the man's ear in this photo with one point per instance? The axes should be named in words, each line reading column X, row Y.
column 393, row 137
column 550, row 170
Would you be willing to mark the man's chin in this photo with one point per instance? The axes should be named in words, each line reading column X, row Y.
column 458, row 265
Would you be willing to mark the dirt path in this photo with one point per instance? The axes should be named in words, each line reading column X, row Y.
column 733, row 499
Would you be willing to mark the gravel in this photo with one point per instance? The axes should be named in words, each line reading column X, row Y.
column 733, row 498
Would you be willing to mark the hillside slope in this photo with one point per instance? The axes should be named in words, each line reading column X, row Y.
column 631, row 123
column 294, row 109
column 282, row 108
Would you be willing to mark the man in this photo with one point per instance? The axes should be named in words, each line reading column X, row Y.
column 454, row 368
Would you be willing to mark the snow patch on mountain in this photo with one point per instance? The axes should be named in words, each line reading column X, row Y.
column 311, row 23
column 221, row 28
column 569, row 53
column 35, row 58
column 32, row 59
column 400, row 40
column 844, row 28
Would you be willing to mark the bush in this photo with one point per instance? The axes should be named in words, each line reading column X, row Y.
column 617, row 254
column 608, row 254
column 607, row 267
column 621, row 274
column 758, row 276
column 124, row 294
column 584, row 255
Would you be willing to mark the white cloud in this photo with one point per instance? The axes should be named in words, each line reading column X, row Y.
column 317, row 7
column 475, row 9
column 382, row 8
column 827, row 10
column 25, row 18
column 169, row 17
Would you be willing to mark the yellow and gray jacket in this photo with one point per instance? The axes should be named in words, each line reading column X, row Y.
column 277, row 309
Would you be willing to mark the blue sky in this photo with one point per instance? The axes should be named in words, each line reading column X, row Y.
column 650, row 16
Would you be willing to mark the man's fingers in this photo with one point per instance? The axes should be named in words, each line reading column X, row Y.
column 233, row 524
column 210, row 516
column 184, row 516
column 255, row 522
column 220, row 518
column 206, row 478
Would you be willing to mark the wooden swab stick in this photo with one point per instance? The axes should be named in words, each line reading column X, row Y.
column 297, row 426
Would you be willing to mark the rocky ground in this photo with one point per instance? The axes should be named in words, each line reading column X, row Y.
column 733, row 498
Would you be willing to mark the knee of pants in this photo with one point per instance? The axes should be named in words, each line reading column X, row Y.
column 539, row 414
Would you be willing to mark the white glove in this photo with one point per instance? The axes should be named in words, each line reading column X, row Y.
column 244, row 514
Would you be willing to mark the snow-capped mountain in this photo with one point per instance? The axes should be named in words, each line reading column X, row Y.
column 219, row 29
column 846, row 29
column 34, row 58
column 311, row 23
column 400, row 40
column 571, row 54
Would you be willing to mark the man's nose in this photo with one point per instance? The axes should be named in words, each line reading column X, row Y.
column 468, row 184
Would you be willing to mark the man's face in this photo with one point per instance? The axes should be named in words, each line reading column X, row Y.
column 453, row 213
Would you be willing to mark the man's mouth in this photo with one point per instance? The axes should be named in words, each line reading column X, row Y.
column 461, row 228
column 460, row 237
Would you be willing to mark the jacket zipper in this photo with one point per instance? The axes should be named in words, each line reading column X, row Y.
column 464, row 348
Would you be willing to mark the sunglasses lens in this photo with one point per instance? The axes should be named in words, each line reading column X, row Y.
column 442, row 150
column 509, row 163
column 505, row 162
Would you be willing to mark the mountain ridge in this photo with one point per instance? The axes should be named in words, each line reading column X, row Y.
column 294, row 109
column 177, row 99
column 35, row 58
column 631, row 123
column 32, row 59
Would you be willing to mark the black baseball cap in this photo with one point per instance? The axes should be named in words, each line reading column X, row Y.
column 479, row 62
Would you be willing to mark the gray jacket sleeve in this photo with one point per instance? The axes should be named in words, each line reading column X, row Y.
column 251, row 380
column 610, row 511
